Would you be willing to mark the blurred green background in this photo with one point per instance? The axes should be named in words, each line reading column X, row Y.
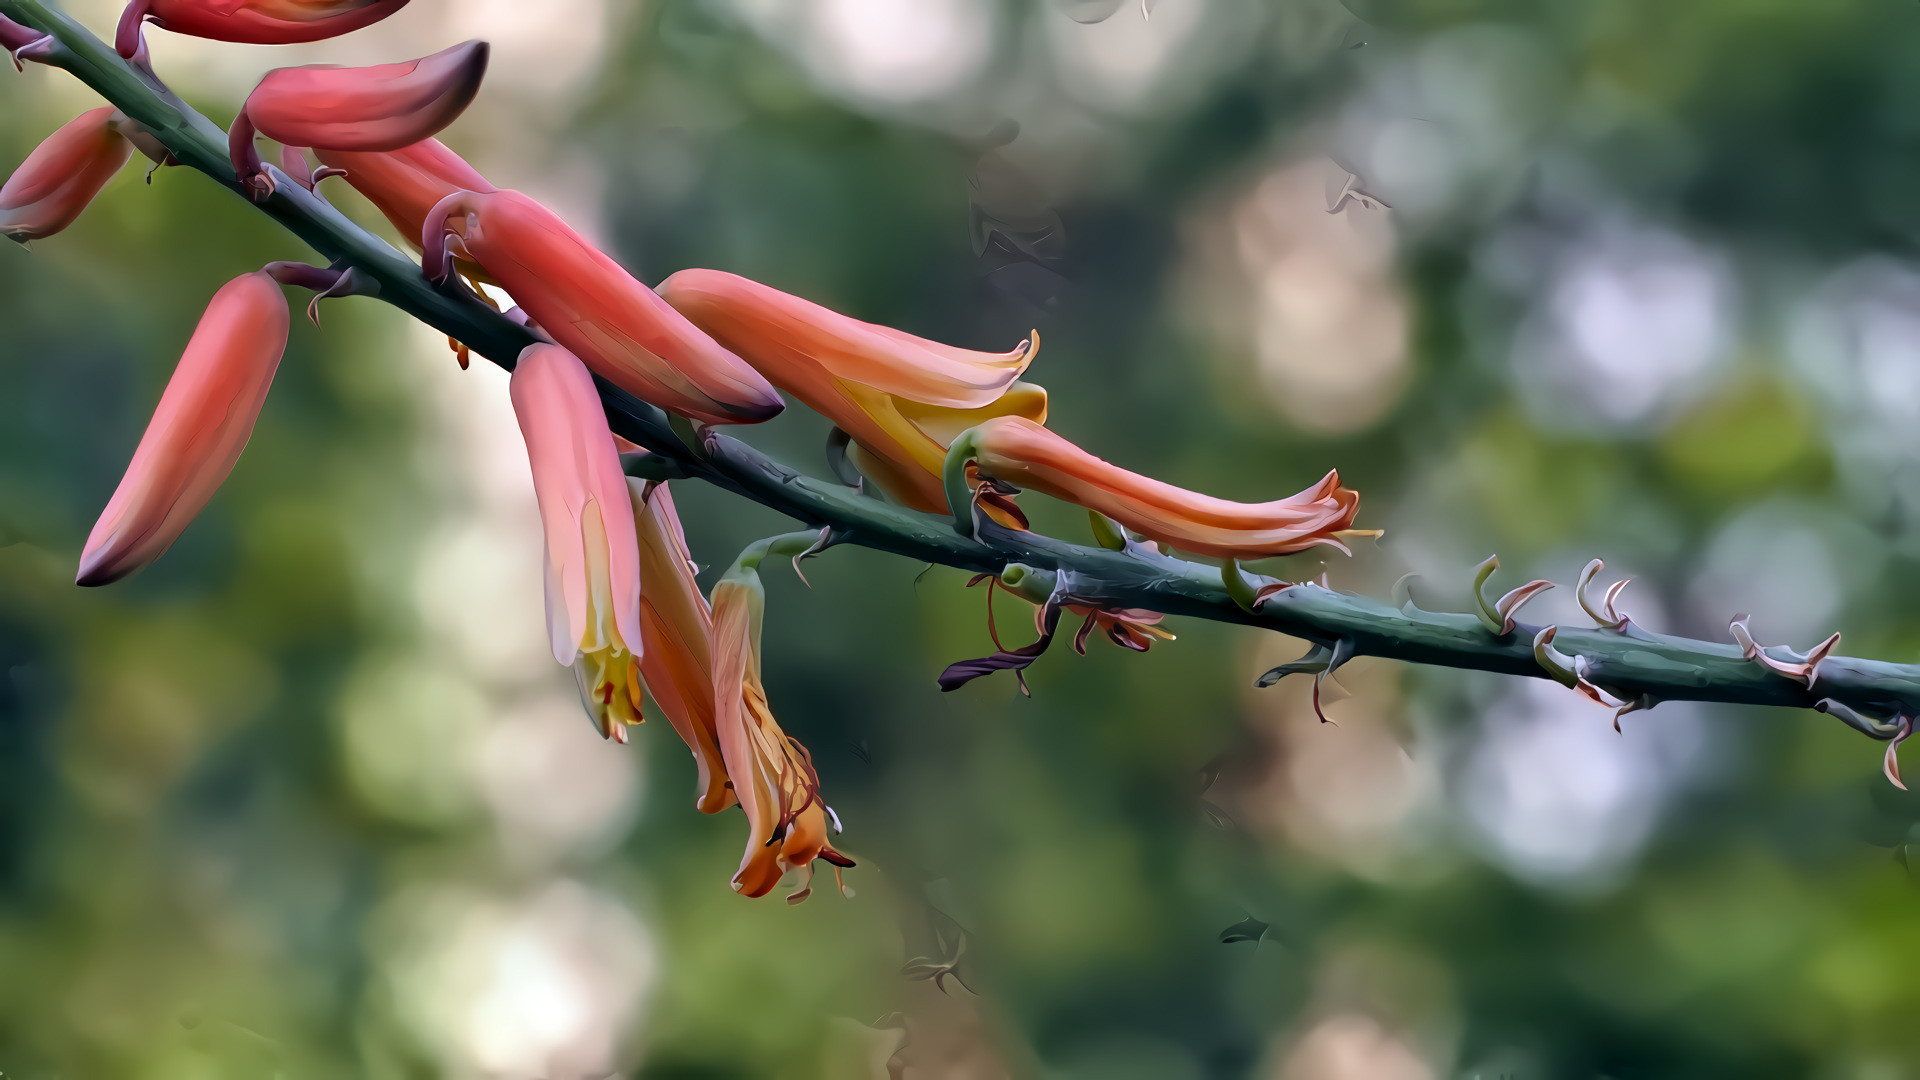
column 308, row 798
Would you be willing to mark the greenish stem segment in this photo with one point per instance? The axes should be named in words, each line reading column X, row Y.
column 1631, row 662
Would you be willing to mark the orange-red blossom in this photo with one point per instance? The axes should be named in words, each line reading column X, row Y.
column 383, row 107
column 1028, row 456
column 252, row 22
column 900, row 398
column 62, row 175
column 201, row 425
column 588, row 303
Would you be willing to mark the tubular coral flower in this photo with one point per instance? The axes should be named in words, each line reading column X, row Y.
column 405, row 184
column 201, row 425
column 676, row 627
column 592, row 560
column 770, row 771
column 62, row 175
column 1027, row 455
column 900, row 398
column 586, row 302
column 384, row 107
column 251, row 22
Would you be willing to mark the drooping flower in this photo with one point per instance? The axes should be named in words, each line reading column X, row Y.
column 900, row 398
column 771, row 773
column 201, row 425
column 405, row 184
column 1130, row 628
column 62, row 175
column 251, row 22
column 1022, row 453
column 592, row 555
column 588, row 303
column 676, row 628
column 383, row 107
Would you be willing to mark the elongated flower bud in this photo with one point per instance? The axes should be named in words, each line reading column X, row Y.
column 588, row 303
column 592, row 562
column 62, row 175
column 405, row 184
column 252, row 22
column 201, row 425
column 1027, row 455
column 900, row 398
column 676, row 627
column 384, row 107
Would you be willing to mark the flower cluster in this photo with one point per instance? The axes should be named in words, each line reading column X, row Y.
column 937, row 429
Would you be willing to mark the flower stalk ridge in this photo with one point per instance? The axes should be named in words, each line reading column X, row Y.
column 901, row 399
column 201, row 425
column 1019, row 452
column 251, row 22
column 592, row 553
column 60, row 178
column 587, row 302
column 384, row 107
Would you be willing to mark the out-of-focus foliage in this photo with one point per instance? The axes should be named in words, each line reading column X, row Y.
column 1627, row 279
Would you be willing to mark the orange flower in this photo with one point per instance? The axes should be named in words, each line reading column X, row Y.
column 62, row 175
column 770, row 771
column 586, row 302
column 204, row 420
column 1026, row 455
column 900, row 398
column 384, row 107
column 676, row 627
column 404, row 184
column 252, row 22
column 592, row 560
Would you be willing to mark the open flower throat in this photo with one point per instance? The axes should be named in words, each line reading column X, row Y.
column 936, row 428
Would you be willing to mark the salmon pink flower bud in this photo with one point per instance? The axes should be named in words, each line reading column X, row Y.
column 900, row 398
column 384, row 107
column 62, row 175
column 1026, row 455
column 772, row 774
column 405, row 184
column 676, row 628
column 203, row 421
column 588, row 303
column 592, row 557
column 22, row 42
column 251, row 22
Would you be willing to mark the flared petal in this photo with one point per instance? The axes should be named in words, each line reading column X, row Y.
column 62, row 175
column 384, row 107
column 900, row 398
column 593, row 561
column 405, row 184
column 255, row 22
column 1030, row 456
column 676, row 628
column 201, row 425
column 771, row 773
column 588, row 303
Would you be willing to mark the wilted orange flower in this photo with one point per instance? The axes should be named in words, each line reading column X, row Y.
column 62, row 175
column 771, row 773
column 252, row 22
column 1026, row 455
column 587, row 302
column 203, row 421
column 592, row 559
column 676, row 628
column 404, row 184
column 901, row 398
column 384, row 107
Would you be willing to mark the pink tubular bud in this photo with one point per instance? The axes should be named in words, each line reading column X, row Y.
column 203, row 421
column 253, row 22
column 62, row 175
